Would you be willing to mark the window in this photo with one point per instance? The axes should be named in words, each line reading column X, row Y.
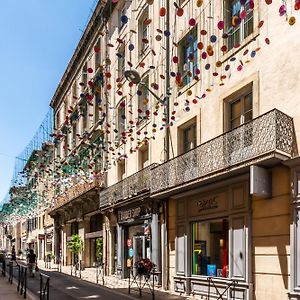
column 187, row 136
column 240, row 110
column 84, row 77
column 143, row 101
column 210, row 248
column 143, row 32
column 238, row 29
column 143, row 157
column 121, row 118
column 97, row 54
column 74, row 93
column 65, row 145
column 98, row 101
column 96, row 223
column 122, row 12
column 188, row 56
column 121, row 170
column 84, row 115
column 121, row 61
column 74, row 134
column 74, row 228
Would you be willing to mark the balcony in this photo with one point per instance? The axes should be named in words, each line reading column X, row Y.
column 78, row 190
column 267, row 137
column 132, row 186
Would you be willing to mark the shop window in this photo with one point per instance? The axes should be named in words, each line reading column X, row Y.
column 143, row 101
column 143, row 32
column 187, row 136
column 210, row 248
column 238, row 29
column 188, row 57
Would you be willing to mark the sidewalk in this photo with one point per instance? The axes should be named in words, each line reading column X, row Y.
column 120, row 285
column 8, row 291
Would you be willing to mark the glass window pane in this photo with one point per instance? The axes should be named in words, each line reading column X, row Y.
column 235, row 110
column 210, row 248
column 248, row 102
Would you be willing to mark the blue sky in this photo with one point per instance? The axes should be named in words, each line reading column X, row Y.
column 38, row 38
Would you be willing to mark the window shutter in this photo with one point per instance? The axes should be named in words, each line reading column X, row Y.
column 181, row 249
column 238, row 248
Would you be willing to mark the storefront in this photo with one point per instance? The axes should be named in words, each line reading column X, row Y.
column 212, row 245
column 138, row 230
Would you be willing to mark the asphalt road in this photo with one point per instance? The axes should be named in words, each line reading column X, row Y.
column 64, row 287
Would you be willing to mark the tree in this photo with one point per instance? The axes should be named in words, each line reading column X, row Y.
column 99, row 250
column 76, row 246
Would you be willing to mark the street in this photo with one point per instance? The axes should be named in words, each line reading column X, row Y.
column 68, row 288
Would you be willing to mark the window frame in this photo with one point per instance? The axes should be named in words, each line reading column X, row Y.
column 143, row 32
column 231, row 30
column 185, row 65
column 228, row 244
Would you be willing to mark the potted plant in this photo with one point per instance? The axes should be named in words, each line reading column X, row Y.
column 76, row 247
column 20, row 252
column 144, row 266
column 99, row 251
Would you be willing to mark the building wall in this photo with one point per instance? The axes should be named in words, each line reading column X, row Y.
column 271, row 239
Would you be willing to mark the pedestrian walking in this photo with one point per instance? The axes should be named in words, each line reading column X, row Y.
column 31, row 262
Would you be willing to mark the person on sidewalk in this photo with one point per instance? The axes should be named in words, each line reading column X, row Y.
column 31, row 262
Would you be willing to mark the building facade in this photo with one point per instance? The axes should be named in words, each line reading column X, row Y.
column 176, row 133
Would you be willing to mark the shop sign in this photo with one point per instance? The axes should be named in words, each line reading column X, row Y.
column 95, row 234
column 209, row 204
column 130, row 252
column 128, row 263
column 146, row 229
column 41, row 236
column 129, row 243
column 131, row 214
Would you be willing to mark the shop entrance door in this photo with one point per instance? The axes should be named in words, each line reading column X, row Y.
column 141, row 248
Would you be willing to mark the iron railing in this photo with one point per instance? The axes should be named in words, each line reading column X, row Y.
column 22, row 280
column 10, row 272
column 270, row 133
column 129, row 187
column 44, row 286
column 3, row 268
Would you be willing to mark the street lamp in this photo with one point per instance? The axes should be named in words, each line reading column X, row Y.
column 134, row 77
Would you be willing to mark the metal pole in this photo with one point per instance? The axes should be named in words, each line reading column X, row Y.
column 167, row 90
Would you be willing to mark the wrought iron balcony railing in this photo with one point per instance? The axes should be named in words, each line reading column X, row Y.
column 268, row 134
column 131, row 186
column 77, row 190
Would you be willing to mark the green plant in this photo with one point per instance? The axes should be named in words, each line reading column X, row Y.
column 99, row 250
column 49, row 255
column 76, row 245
